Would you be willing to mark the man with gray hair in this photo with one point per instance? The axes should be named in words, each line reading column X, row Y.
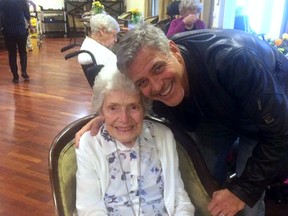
column 104, row 30
column 221, row 86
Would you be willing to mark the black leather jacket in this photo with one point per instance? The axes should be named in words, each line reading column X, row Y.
column 242, row 82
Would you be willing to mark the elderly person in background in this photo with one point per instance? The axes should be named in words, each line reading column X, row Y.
column 104, row 30
column 189, row 18
column 130, row 167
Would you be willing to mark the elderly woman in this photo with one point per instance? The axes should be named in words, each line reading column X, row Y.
column 104, row 30
column 189, row 17
column 131, row 166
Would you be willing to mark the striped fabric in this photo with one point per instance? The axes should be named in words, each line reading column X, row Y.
column 15, row 13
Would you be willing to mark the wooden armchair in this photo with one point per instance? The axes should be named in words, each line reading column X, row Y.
column 152, row 19
column 76, row 28
column 63, row 166
column 90, row 70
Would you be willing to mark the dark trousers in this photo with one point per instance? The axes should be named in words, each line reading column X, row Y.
column 12, row 44
column 215, row 142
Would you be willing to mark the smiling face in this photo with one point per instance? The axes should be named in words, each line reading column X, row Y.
column 160, row 76
column 123, row 113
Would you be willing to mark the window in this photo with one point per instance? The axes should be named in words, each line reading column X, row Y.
column 265, row 17
column 154, row 7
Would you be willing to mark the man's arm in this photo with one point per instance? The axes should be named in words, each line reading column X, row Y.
column 93, row 125
column 225, row 203
column 254, row 87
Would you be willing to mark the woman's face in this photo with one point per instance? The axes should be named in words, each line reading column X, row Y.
column 123, row 113
column 110, row 38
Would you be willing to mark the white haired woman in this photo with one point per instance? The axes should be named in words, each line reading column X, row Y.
column 189, row 17
column 131, row 166
column 104, row 30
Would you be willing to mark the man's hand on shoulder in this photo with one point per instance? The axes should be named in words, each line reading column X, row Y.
column 93, row 126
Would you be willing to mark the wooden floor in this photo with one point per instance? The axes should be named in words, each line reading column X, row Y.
column 31, row 114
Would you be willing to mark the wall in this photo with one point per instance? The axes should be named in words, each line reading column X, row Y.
column 130, row 4
column 47, row 4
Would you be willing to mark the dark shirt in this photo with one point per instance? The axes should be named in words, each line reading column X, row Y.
column 15, row 12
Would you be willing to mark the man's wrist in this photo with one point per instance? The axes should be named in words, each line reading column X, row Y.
column 248, row 198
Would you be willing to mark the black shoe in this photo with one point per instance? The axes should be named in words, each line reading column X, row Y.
column 25, row 76
column 15, row 80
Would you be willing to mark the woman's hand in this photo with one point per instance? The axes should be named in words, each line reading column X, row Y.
column 92, row 125
column 190, row 20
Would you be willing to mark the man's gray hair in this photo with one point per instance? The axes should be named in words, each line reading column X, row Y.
column 110, row 79
column 142, row 36
column 190, row 5
column 106, row 21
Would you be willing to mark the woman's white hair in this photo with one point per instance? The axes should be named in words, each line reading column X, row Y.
column 190, row 5
column 106, row 21
column 110, row 79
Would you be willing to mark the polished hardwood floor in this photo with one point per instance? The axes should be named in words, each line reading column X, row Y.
column 31, row 114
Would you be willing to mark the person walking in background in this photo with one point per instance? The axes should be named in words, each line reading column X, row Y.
column 189, row 18
column 15, row 34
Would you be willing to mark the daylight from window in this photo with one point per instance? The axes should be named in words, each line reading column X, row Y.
column 265, row 17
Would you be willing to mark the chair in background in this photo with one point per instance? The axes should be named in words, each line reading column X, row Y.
column 90, row 70
column 76, row 28
column 123, row 20
column 124, row 16
column 163, row 24
column 85, row 18
column 62, row 169
column 152, row 19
